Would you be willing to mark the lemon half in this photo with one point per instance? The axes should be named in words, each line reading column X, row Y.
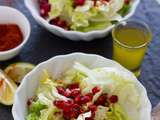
column 7, row 89
column 17, row 71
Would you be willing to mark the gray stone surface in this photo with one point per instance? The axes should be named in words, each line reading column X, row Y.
column 43, row 45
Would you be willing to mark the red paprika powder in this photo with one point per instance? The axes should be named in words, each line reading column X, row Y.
column 10, row 36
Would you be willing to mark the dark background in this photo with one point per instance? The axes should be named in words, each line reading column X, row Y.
column 43, row 45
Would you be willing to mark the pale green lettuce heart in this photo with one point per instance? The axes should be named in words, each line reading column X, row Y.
column 56, row 8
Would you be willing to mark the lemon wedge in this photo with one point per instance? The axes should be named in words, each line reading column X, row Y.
column 7, row 89
column 17, row 71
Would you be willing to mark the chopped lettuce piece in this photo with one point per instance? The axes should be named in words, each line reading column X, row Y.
column 79, row 20
column 94, row 26
column 56, row 8
column 101, row 113
column 32, row 116
column 36, row 107
column 117, row 113
column 67, row 11
column 51, row 113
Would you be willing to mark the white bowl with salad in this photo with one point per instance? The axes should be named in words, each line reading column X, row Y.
column 81, row 87
column 81, row 19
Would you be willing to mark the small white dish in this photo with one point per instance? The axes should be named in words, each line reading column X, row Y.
column 32, row 5
column 57, row 65
column 10, row 15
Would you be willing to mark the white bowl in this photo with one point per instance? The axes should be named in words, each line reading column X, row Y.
column 158, row 1
column 32, row 5
column 10, row 15
column 56, row 66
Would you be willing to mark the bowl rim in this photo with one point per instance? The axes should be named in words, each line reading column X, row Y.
column 63, row 56
column 25, row 39
column 85, row 34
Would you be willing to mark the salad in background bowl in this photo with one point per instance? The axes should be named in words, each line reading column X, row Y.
column 81, row 19
column 84, row 15
column 74, row 87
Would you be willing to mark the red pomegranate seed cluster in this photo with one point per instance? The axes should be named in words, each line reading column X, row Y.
column 45, row 8
column 59, row 22
column 71, row 109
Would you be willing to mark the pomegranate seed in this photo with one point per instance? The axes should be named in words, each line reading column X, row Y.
column 90, row 95
column 79, row 2
column 101, row 100
column 78, row 99
column 95, row 90
column 76, row 110
column 55, row 20
column 85, row 99
column 73, row 86
column 113, row 99
column 43, row 13
column 67, row 93
column 73, row 114
column 58, row 22
column 67, row 106
column 59, row 103
column 61, row 23
column 93, row 108
column 127, row 2
column 82, row 99
column 66, row 115
column 63, row 105
column 75, row 93
column 46, row 7
column 61, row 90
column 29, row 101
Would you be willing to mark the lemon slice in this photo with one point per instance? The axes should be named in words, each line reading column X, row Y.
column 7, row 89
column 17, row 71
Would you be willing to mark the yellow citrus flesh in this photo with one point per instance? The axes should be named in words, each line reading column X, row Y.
column 7, row 89
column 17, row 71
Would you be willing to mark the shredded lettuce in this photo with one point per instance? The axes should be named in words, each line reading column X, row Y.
column 50, row 114
column 88, row 17
column 117, row 113
column 32, row 116
column 36, row 107
column 110, row 80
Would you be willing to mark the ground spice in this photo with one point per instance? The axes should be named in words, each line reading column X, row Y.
column 10, row 36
